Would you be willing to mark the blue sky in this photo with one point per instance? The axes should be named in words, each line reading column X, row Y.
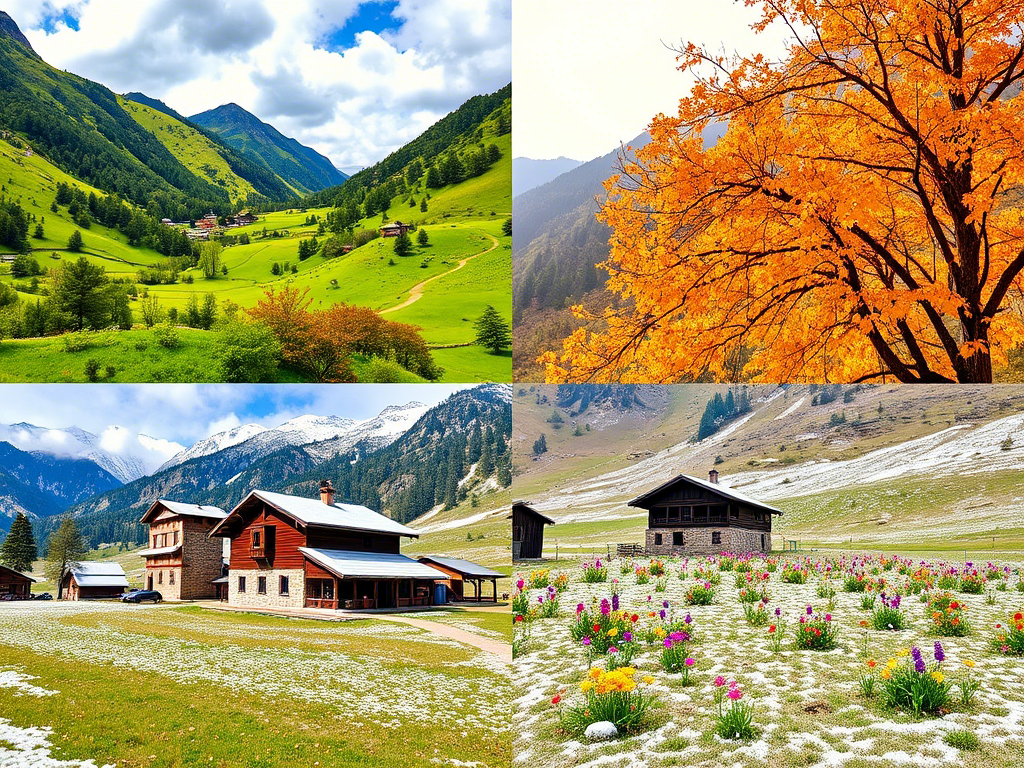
column 375, row 16
column 178, row 415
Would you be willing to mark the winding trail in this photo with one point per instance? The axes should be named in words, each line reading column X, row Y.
column 498, row 648
column 416, row 292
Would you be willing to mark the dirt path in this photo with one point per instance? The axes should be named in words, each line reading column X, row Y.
column 417, row 290
column 499, row 649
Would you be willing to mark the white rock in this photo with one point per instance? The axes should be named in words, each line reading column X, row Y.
column 601, row 731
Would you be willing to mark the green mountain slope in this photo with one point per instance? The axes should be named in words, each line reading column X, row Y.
column 80, row 126
column 303, row 168
column 206, row 155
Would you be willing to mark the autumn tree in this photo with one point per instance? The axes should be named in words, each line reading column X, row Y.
column 860, row 219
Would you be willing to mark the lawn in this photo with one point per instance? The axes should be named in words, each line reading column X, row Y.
column 188, row 686
column 809, row 707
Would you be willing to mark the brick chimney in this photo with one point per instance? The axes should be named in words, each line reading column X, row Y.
column 713, row 476
column 326, row 492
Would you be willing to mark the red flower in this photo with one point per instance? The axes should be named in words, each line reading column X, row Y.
column 519, row 617
column 771, row 628
column 597, row 627
column 556, row 699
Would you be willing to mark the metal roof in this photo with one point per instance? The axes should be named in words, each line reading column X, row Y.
column 721, row 490
column 188, row 510
column 371, row 565
column 465, row 567
column 99, row 575
column 159, row 551
column 315, row 512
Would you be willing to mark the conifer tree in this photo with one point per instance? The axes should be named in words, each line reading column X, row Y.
column 19, row 548
column 64, row 552
column 492, row 331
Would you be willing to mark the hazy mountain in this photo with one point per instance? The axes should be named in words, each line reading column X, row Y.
column 74, row 443
column 304, row 168
column 528, row 173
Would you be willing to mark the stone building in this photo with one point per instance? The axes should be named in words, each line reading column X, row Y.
column 182, row 561
column 690, row 516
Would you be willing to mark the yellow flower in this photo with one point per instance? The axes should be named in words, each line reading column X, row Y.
column 886, row 673
column 902, row 652
column 938, row 676
column 586, row 685
column 659, row 632
column 596, row 673
column 892, row 664
column 648, row 679
column 613, row 632
column 969, row 663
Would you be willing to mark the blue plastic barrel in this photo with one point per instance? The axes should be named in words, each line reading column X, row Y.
column 440, row 594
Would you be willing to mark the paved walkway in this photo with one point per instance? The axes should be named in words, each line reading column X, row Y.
column 499, row 649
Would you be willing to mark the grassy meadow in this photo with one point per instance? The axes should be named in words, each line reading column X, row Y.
column 441, row 288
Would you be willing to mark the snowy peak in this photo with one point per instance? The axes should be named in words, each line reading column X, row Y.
column 216, row 443
column 113, row 452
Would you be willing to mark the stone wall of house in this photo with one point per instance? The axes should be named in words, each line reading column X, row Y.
column 698, row 541
column 272, row 599
column 202, row 563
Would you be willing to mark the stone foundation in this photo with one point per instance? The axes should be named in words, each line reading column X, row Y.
column 272, row 599
column 698, row 541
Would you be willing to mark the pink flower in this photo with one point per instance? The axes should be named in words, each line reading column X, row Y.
column 719, row 681
column 690, row 662
column 735, row 694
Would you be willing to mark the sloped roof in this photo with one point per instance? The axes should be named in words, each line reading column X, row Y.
column 525, row 506
column 465, row 567
column 99, row 575
column 721, row 490
column 315, row 512
column 187, row 510
column 16, row 573
column 371, row 565
column 157, row 551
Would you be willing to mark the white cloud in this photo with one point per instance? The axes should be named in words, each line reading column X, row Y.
column 590, row 74
column 355, row 106
column 223, row 424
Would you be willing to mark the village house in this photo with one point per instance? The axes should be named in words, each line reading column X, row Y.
column 91, row 580
column 14, row 583
column 295, row 552
column 182, row 561
column 209, row 221
column 527, row 531
column 461, row 572
column 690, row 516
column 394, row 229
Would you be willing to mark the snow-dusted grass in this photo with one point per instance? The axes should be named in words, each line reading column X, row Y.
column 809, row 708
column 185, row 684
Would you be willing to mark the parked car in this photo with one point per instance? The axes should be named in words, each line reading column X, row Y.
column 142, row 596
column 43, row 596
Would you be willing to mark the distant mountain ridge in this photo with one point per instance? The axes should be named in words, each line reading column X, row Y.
column 302, row 167
column 73, row 443
column 528, row 173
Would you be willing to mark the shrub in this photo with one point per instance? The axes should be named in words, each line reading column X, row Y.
column 1009, row 639
column 75, row 342
column 92, row 370
column 757, row 616
column 754, row 595
column 673, row 654
column 948, row 616
column 912, row 687
column 539, row 579
column 167, row 336
column 700, row 594
column 384, row 372
column 888, row 615
column 642, row 576
column 816, row 632
column 594, row 573
column 972, row 584
column 794, row 574
column 964, row 740
column 248, row 352
column 867, row 601
column 611, row 696
column 855, row 583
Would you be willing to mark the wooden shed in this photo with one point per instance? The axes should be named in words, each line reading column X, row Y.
column 460, row 572
column 527, row 531
column 690, row 516
column 14, row 583
column 95, row 580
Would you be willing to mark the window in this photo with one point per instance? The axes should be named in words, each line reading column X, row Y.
column 716, row 537
column 257, row 538
column 283, row 585
column 175, row 537
column 241, row 583
column 159, row 577
column 170, row 577
column 657, row 539
column 762, row 541
column 677, row 539
column 734, row 512
column 661, row 515
column 673, row 514
column 687, row 514
column 261, row 585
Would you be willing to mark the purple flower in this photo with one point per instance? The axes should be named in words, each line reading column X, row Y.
column 919, row 665
column 613, row 649
column 615, row 602
column 586, row 641
column 677, row 637
column 662, row 613
column 606, row 607
column 519, row 585
column 579, row 608
column 668, row 642
column 809, row 610
column 664, row 604
column 690, row 662
column 940, row 655
column 828, row 617
column 627, row 636
column 778, row 611
column 688, row 620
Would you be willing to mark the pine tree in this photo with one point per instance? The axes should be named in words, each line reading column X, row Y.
column 422, row 237
column 485, row 468
column 492, row 331
column 19, row 548
column 540, row 445
column 504, row 474
column 64, row 552
column 75, row 242
column 403, row 244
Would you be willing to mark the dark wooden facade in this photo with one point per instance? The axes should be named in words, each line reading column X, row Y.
column 459, row 577
column 691, row 516
column 527, row 531
column 14, row 583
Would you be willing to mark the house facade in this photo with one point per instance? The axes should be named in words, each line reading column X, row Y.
column 394, row 229
column 182, row 561
column 94, row 580
column 15, row 583
column 527, row 531
column 690, row 516
column 296, row 552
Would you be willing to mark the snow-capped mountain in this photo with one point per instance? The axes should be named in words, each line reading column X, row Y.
column 73, row 442
column 325, row 435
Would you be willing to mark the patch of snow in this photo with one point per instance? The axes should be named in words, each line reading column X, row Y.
column 10, row 678
column 791, row 409
column 31, row 748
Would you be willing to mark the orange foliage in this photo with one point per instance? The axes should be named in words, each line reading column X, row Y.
column 861, row 217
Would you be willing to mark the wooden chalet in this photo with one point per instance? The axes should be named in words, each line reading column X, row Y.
column 394, row 229
column 15, row 583
column 209, row 221
column 461, row 572
column 527, row 531
column 295, row 552
column 182, row 561
column 94, row 580
column 690, row 516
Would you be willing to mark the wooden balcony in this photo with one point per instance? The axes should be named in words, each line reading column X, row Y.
column 322, row 602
